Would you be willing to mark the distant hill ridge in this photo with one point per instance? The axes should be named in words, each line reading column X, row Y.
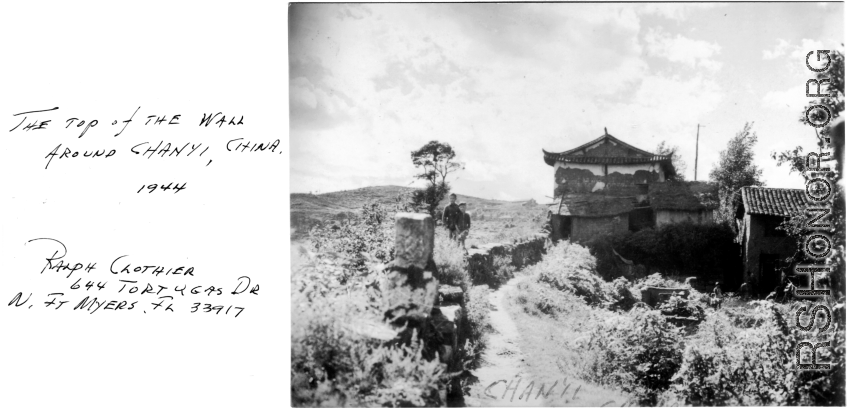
column 307, row 208
column 349, row 200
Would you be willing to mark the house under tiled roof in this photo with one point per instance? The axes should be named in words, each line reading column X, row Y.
column 592, row 206
column 772, row 201
column 605, row 150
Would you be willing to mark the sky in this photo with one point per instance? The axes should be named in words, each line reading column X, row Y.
column 370, row 83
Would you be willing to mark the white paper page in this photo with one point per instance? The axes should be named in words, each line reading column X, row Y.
column 111, row 62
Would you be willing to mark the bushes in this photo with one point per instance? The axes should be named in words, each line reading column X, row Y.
column 683, row 307
column 343, row 351
column 570, row 267
column 476, row 310
column 341, row 348
column 702, row 250
column 620, row 295
column 371, row 234
column 727, row 365
column 639, row 353
column 503, row 270
column 742, row 355
column 451, row 263
column 539, row 299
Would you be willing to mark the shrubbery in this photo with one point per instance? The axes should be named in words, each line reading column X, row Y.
column 476, row 312
column 341, row 347
column 742, row 355
column 639, row 353
column 343, row 351
column 724, row 364
column 702, row 250
column 570, row 267
column 657, row 280
column 370, row 234
column 503, row 269
column 451, row 263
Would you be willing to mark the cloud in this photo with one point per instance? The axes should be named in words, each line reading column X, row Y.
column 792, row 100
column 675, row 11
column 507, row 197
column 781, row 49
column 694, row 53
column 316, row 107
column 429, row 66
column 799, row 51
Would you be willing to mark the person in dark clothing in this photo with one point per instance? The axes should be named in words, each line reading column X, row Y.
column 452, row 217
column 464, row 225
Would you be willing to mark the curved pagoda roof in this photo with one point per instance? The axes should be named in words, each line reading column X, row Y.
column 604, row 150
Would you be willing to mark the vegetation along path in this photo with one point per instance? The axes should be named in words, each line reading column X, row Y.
column 509, row 377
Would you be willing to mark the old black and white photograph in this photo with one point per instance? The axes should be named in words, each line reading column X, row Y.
column 566, row 204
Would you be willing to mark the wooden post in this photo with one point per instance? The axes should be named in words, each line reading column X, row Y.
column 412, row 276
column 697, row 151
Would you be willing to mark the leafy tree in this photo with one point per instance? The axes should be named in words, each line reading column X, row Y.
column 794, row 158
column 736, row 169
column 437, row 160
column 679, row 165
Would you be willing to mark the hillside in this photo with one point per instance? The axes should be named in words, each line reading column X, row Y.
column 308, row 209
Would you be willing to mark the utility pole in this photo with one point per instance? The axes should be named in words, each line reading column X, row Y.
column 697, row 151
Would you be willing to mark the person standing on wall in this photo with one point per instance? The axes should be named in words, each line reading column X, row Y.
column 464, row 225
column 451, row 217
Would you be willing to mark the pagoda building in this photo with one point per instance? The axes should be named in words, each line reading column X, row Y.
column 604, row 185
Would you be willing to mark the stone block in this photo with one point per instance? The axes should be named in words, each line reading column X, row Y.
column 414, row 240
column 450, row 294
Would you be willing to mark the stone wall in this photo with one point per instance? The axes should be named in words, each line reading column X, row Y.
column 483, row 261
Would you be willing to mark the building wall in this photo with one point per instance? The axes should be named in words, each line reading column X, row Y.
column 647, row 167
column 664, row 216
column 584, row 229
column 757, row 243
column 614, row 180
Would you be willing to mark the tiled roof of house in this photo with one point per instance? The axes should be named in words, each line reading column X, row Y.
column 592, row 205
column 772, row 201
column 579, row 155
column 552, row 158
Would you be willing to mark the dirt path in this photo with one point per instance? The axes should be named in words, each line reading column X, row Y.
column 509, row 378
column 502, row 360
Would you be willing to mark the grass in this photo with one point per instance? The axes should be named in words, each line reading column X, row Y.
column 494, row 221
column 549, row 344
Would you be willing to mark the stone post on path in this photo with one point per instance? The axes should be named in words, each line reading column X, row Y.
column 412, row 276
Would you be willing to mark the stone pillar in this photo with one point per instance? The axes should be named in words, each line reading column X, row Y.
column 412, row 276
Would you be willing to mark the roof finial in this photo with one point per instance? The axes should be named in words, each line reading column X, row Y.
column 605, row 132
